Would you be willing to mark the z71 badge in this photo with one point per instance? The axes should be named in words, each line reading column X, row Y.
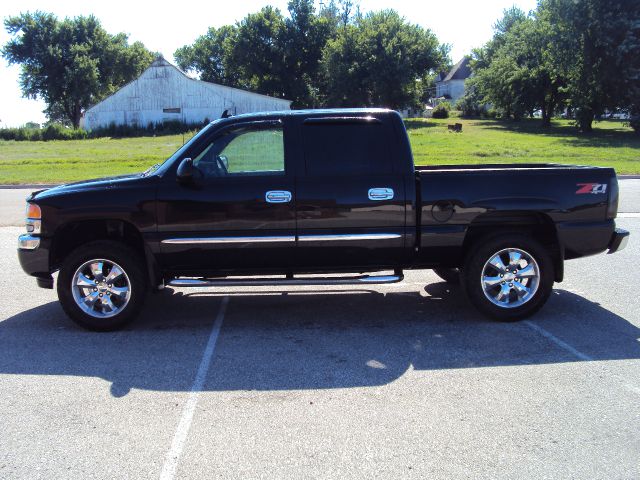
column 592, row 188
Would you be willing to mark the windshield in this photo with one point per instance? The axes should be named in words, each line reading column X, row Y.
column 161, row 168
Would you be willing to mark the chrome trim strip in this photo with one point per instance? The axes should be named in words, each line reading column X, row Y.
column 348, row 237
column 274, row 282
column 28, row 242
column 226, row 240
column 281, row 239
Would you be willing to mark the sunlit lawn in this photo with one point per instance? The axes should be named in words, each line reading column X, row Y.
column 481, row 141
column 489, row 141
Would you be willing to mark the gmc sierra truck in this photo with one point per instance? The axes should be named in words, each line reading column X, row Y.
column 319, row 197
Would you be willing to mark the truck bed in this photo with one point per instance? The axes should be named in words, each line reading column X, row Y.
column 454, row 198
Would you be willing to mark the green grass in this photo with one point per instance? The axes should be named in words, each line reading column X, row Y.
column 490, row 141
column 481, row 141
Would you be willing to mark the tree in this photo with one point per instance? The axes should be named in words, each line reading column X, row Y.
column 379, row 61
column 518, row 78
column 71, row 63
column 595, row 49
column 305, row 35
column 209, row 56
column 499, row 79
column 510, row 18
column 265, row 53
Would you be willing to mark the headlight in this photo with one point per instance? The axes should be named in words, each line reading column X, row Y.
column 34, row 218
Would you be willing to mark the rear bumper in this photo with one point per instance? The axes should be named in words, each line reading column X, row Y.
column 619, row 240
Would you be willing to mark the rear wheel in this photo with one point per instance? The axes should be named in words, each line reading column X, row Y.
column 102, row 285
column 449, row 275
column 508, row 277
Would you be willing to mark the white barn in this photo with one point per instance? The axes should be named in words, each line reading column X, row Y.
column 164, row 93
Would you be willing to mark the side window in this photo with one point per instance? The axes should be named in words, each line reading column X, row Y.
column 346, row 148
column 244, row 151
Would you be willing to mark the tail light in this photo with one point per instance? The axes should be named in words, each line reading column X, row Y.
column 614, row 194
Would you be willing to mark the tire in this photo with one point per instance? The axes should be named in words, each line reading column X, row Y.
column 94, row 294
column 449, row 275
column 503, row 293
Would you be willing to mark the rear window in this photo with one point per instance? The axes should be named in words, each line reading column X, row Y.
column 344, row 147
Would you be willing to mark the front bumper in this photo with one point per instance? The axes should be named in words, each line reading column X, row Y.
column 619, row 240
column 33, row 254
column 28, row 242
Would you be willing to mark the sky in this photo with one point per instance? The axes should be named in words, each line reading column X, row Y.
column 464, row 24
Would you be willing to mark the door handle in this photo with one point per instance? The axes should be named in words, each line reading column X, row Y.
column 278, row 196
column 381, row 193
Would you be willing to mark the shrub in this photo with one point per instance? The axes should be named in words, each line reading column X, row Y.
column 441, row 110
column 172, row 127
column 491, row 113
column 53, row 131
column 469, row 107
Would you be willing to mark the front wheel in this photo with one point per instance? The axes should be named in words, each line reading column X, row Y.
column 508, row 277
column 102, row 285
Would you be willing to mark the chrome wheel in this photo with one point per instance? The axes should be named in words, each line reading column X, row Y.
column 101, row 288
column 510, row 278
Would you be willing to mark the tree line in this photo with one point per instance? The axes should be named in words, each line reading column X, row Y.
column 580, row 58
column 332, row 57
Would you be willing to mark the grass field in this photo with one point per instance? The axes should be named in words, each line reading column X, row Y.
column 481, row 141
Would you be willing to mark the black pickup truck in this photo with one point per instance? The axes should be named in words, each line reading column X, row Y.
column 283, row 198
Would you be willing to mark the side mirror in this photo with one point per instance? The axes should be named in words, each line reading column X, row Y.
column 187, row 172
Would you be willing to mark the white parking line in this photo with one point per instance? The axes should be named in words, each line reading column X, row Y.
column 557, row 341
column 180, row 437
column 577, row 353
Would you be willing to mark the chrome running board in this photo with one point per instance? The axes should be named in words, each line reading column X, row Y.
column 273, row 282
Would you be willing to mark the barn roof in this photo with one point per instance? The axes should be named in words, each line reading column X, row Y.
column 460, row 71
column 160, row 61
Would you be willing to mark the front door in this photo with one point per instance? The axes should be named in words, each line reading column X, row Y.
column 240, row 214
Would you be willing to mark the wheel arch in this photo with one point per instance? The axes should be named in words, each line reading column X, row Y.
column 536, row 224
column 72, row 235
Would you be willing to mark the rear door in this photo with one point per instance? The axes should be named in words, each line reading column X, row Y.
column 350, row 195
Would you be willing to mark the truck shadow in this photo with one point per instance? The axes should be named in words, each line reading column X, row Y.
column 306, row 339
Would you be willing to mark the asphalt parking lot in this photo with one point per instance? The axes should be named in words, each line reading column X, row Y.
column 396, row 381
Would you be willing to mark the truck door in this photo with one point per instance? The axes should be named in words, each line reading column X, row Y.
column 240, row 215
column 350, row 195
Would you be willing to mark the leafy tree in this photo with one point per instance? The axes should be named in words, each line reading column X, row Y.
column 304, row 38
column 510, row 18
column 519, row 78
column 209, row 56
column 379, row 61
column 71, row 63
column 265, row 52
column 582, row 55
column 499, row 78
column 257, row 53
column 589, row 43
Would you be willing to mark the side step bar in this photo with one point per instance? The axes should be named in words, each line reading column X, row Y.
column 272, row 282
